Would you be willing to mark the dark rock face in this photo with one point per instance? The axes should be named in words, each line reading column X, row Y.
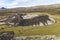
column 14, row 19
column 17, row 20
column 36, row 20
column 6, row 35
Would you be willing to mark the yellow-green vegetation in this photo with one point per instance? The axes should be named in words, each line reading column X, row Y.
column 40, row 30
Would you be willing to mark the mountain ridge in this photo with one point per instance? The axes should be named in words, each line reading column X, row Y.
column 54, row 8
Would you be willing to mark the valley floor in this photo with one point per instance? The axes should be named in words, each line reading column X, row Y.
column 53, row 29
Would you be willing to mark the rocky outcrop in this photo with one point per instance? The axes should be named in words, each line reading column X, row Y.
column 36, row 20
column 6, row 35
column 39, row 37
column 28, row 20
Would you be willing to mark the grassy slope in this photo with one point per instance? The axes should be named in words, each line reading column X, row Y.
column 52, row 9
column 29, row 30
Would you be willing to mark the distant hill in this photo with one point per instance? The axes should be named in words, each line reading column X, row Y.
column 53, row 9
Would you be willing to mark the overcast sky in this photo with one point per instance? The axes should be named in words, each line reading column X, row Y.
column 26, row 3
